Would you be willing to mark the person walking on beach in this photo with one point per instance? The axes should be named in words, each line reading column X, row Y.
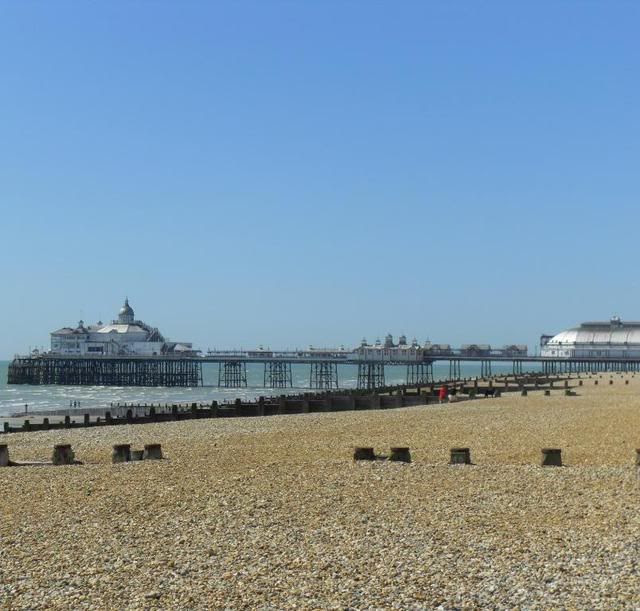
column 444, row 392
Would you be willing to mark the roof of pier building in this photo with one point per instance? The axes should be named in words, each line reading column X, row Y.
column 615, row 331
column 125, row 325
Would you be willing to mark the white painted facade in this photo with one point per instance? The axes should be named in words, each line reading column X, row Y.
column 124, row 336
column 613, row 339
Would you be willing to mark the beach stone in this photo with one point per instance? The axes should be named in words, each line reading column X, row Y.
column 121, row 453
column 153, row 451
column 460, row 456
column 400, row 455
column 63, row 454
column 551, row 457
column 363, row 454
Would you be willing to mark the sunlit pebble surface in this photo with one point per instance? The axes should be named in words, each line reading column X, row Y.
column 273, row 513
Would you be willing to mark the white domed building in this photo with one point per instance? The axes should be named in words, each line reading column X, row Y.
column 607, row 340
column 123, row 336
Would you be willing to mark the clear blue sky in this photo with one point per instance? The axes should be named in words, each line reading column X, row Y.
column 300, row 172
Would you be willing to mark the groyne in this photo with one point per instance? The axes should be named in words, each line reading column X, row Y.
column 384, row 398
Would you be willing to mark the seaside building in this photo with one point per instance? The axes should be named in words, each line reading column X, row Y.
column 612, row 339
column 389, row 351
column 123, row 336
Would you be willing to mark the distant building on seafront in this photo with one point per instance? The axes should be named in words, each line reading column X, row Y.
column 124, row 336
column 612, row 339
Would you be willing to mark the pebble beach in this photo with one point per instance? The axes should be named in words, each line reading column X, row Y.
column 273, row 513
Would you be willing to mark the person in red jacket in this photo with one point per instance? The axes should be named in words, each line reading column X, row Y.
column 444, row 392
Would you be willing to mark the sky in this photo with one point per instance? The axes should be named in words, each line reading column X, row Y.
column 288, row 173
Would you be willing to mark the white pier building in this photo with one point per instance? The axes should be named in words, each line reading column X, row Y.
column 613, row 339
column 124, row 336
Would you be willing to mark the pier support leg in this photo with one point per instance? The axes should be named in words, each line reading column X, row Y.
column 370, row 375
column 454, row 370
column 419, row 373
column 323, row 375
column 277, row 374
column 232, row 374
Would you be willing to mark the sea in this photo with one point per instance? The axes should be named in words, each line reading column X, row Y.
column 14, row 397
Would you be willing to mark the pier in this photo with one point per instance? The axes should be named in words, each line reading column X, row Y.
column 324, row 367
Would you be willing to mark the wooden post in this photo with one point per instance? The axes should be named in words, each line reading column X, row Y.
column 363, row 454
column 460, row 456
column 63, row 454
column 136, row 455
column 153, row 451
column 87, row 419
column 4, row 455
column 121, row 453
column 400, row 455
column 551, row 457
